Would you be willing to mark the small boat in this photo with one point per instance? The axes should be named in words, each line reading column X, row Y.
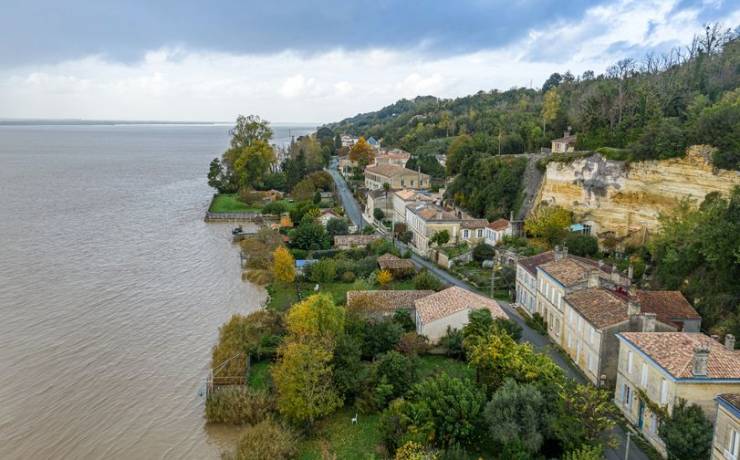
column 237, row 231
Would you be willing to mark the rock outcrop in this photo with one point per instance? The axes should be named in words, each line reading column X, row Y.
column 627, row 199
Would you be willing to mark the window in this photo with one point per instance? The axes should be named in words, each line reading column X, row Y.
column 663, row 392
column 644, row 375
column 732, row 451
column 629, row 362
column 626, row 395
column 465, row 233
column 480, row 232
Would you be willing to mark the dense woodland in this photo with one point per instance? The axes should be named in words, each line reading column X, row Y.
column 636, row 109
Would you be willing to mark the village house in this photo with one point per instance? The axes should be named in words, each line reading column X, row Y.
column 450, row 308
column 426, row 219
column 384, row 303
column 326, row 215
column 526, row 280
column 348, row 141
column 374, row 143
column 395, row 157
column 346, row 165
column 726, row 442
column 472, row 230
column 345, row 242
column 565, row 144
column 496, row 230
column 398, row 267
column 381, row 200
column 656, row 369
column 403, row 198
column 397, row 177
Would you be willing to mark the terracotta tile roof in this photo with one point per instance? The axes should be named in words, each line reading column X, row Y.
column 391, row 262
column 411, row 195
column 388, row 301
column 473, row 223
column 452, row 300
column 499, row 224
column 667, row 305
column 429, row 211
column 388, row 170
column 567, row 271
column 598, row 306
column 731, row 398
column 531, row 263
column 674, row 352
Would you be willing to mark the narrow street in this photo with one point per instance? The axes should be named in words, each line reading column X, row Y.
column 540, row 342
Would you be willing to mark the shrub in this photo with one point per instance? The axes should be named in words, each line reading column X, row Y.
column 585, row 452
column 244, row 334
column 266, row 440
column 390, row 377
column 537, row 322
column 426, row 281
column 403, row 318
column 380, row 337
column 275, row 208
column 249, row 196
column 378, row 214
column 337, row 227
column 412, row 344
column 384, row 277
column 348, row 277
column 382, row 246
column 686, row 432
column 258, row 276
column 581, row 245
column 453, row 343
column 323, row 271
column 238, row 405
column 483, row 252
column 299, row 253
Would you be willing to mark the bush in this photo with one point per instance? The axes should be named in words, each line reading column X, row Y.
column 384, row 277
column 378, row 214
column 509, row 327
column 581, row 245
column 687, row 432
column 382, row 246
column 266, row 440
column 301, row 254
column 337, row 227
column 391, row 377
column 403, row 319
column 323, row 271
column 348, row 277
column 380, row 337
column 483, row 252
column 244, row 334
column 426, row 281
column 412, row 344
column 538, row 323
column 238, row 405
column 249, row 196
column 275, row 208
column 453, row 343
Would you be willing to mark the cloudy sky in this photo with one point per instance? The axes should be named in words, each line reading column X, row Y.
column 311, row 61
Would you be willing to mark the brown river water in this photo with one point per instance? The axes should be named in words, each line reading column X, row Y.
column 112, row 289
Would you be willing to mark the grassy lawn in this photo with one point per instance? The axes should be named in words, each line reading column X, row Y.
column 229, row 202
column 338, row 436
column 430, row 365
column 282, row 296
column 259, row 375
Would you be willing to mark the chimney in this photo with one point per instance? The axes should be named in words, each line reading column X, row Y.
column 730, row 342
column 565, row 251
column 633, row 307
column 630, row 272
column 558, row 254
column 701, row 359
column 593, row 279
column 648, row 322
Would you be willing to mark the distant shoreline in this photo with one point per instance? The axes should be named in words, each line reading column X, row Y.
column 73, row 122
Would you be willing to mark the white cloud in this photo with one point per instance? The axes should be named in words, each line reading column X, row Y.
column 182, row 84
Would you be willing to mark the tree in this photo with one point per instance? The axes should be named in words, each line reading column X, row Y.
column 347, row 366
column 686, row 432
column 310, row 235
column 516, row 414
column 550, row 107
column 391, row 375
column 250, row 154
column 585, row 452
column 384, row 277
column 579, row 244
column 317, row 319
column 552, row 82
column 483, row 251
column 304, row 190
column 337, row 227
column 323, row 271
column 440, row 238
column 303, row 381
column 378, row 214
column 380, row 337
column 587, row 413
column 362, row 153
column 448, row 408
column 426, row 281
column 219, row 178
column 244, row 335
column 283, row 265
column 550, row 223
column 459, row 149
column 250, row 130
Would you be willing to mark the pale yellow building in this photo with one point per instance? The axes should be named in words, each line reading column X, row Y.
column 660, row 368
column 403, row 198
column 397, row 177
column 726, row 443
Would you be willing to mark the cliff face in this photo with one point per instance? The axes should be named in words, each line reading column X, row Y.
column 627, row 199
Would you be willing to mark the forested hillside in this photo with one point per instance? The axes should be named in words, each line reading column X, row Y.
column 650, row 108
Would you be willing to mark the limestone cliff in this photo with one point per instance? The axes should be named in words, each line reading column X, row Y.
column 626, row 199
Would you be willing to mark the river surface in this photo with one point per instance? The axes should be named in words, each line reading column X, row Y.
column 112, row 289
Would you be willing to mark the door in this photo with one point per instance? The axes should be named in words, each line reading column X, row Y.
column 641, row 414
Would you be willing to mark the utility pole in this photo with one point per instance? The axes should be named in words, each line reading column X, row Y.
column 627, row 445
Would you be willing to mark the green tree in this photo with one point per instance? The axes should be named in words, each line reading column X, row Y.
column 719, row 125
column 516, row 414
column 586, row 415
column 550, row 107
column 581, row 245
column 303, row 382
column 440, row 238
column 687, row 432
column 316, row 318
column 310, row 235
column 337, row 227
column 550, row 223
column 347, row 366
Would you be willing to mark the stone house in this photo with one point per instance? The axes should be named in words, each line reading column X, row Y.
column 395, row 157
column 472, row 230
column 526, row 280
column 345, row 242
column 424, row 220
column 380, row 200
column 656, row 369
column 384, row 303
column 565, row 144
column 726, row 442
column 450, row 308
column 397, row 177
column 405, row 197
column 399, row 268
column 496, row 230
column 326, row 215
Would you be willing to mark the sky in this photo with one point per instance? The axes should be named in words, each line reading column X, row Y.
column 311, row 61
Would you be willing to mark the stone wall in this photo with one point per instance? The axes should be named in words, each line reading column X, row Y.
column 628, row 198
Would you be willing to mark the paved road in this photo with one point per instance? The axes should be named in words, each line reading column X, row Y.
column 537, row 340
